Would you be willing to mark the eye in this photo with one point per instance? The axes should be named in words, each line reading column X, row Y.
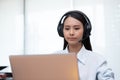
column 66, row 28
column 77, row 28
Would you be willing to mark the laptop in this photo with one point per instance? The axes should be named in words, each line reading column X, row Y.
column 44, row 67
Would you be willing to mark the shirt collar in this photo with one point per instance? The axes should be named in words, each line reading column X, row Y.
column 80, row 55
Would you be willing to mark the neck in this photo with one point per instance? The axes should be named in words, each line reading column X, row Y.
column 74, row 48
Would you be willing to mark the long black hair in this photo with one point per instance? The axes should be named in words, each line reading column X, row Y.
column 81, row 17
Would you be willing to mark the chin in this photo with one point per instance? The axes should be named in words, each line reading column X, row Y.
column 73, row 43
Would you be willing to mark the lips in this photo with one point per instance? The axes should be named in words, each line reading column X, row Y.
column 71, row 39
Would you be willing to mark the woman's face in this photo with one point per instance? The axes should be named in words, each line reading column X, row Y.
column 73, row 31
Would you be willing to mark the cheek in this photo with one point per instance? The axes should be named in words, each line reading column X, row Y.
column 64, row 33
column 80, row 34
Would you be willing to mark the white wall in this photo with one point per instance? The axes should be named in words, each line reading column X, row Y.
column 11, row 29
column 39, row 33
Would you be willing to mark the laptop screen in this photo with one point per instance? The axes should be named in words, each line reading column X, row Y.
column 44, row 67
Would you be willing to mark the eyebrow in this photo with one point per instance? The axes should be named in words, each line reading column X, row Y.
column 73, row 25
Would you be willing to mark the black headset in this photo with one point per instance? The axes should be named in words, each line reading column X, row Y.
column 87, row 26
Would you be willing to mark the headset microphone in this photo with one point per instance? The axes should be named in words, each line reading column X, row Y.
column 81, row 40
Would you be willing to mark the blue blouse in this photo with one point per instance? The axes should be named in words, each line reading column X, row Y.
column 92, row 66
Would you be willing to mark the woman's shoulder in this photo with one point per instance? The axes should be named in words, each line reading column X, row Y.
column 95, row 54
column 91, row 54
column 96, row 57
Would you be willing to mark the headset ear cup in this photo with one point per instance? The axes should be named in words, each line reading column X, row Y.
column 87, row 30
column 60, row 30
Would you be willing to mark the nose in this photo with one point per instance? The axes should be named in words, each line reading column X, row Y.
column 71, row 32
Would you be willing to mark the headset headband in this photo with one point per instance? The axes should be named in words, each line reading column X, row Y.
column 87, row 28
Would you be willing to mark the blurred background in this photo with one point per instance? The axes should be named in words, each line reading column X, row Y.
column 30, row 27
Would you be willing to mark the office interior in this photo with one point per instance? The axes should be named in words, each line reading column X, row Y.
column 30, row 27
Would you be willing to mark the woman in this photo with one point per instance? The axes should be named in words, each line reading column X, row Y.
column 75, row 28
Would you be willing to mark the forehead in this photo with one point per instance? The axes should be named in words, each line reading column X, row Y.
column 72, row 20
